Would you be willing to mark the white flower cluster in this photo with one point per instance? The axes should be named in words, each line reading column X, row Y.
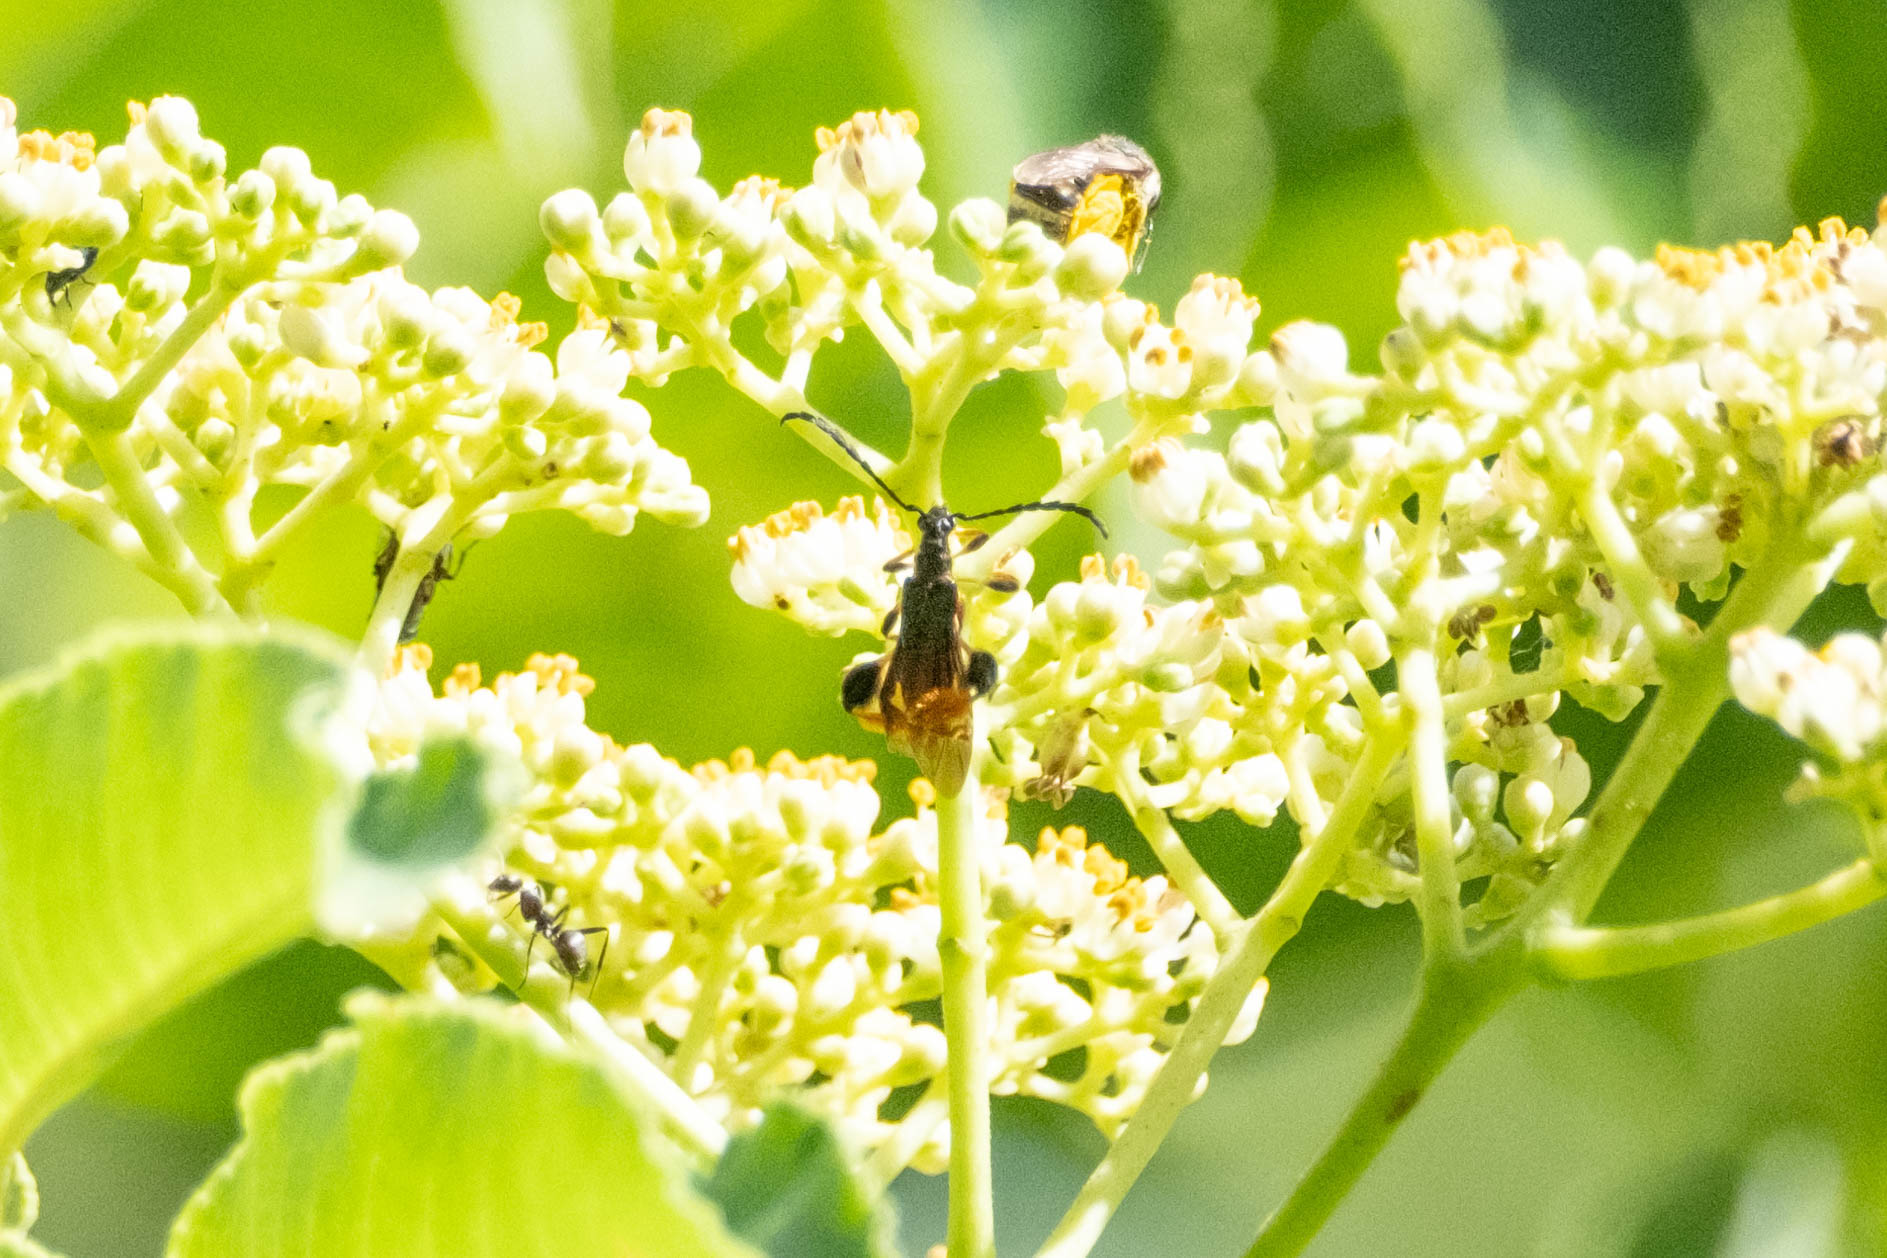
column 1552, row 450
column 671, row 264
column 826, row 572
column 228, row 334
column 1833, row 699
column 766, row 936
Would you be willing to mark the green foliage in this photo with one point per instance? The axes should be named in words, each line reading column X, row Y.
column 203, row 802
column 454, row 1130
column 160, row 801
column 789, row 1187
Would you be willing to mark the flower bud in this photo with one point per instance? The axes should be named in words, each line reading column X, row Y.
column 809, row 219
column 285, row 165
column 625, row 220
column 528, row 391
column 20, row 200
column 388, row 240
column 1368, row 643
column 577, row 750
column 569, row 220
column 662, row 153
column 247, row 345
column 1476, row 789
column 447, row 352
column 103, row 222
column 253, row 194
column 155, row 285
column 350, row 216
column 213, row 437
column 207, row 162
column 914, row 223
column 308, row 198
column 609, row 459
column 1091, row 267
column 1609, row 277
column 1529, row 803
column 978, row 224
column 1435, row 445
column 171, row 123
column 1255, row 457
column 1258, row 379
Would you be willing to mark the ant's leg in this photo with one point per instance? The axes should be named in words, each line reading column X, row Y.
column 596, row 975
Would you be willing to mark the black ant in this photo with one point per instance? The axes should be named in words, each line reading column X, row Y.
column 443, row 569
column 918, row 693
column 571, row 945
column 57, row 282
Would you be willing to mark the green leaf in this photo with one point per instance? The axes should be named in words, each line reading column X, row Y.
column 160, row 801
column 461, row 1129
column 410, row 824
column 19, row 1196
column 788, row 1186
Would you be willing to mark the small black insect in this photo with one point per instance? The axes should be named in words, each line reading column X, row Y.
column 1108, row 185
column 571, row 945
column 443, row 569
column 918, row 693
column 57, row 282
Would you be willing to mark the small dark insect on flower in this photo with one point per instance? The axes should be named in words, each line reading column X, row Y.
column 1603, row 584
column 1730, row 519
column 1842, row 443
column 1108, row 185
column 57, row 282
column 918, row 693
column 443, row 569
column 571, row 945
column 1466, row 623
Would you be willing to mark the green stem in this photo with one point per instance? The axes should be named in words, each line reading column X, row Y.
column 1459, row 993
column 117, row 414
column 382, row 636
column 1442, row 933
column 634, row 1073
column 1453, row 1001
column 963, row 949
column 1181, row 866
column 122, row 471
column 1577, row 952
column 1240, row 970
column 1696, row 684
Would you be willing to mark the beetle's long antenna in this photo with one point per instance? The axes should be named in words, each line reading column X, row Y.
column 1083, row 512
column 844, row 443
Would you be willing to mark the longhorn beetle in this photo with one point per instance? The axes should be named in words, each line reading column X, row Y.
column 918, row 693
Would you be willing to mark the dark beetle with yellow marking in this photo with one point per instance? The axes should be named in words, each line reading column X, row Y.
column 1108, row 185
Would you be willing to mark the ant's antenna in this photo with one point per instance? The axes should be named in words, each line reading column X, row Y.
column 1083, row 512
column 844, row 443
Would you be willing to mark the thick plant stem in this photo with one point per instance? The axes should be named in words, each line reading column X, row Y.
column 1576, row 952
column 1240, row 970
column 1452, row 1003
column 963, row 949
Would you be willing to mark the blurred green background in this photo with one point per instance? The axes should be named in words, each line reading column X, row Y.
column 1733, row 1108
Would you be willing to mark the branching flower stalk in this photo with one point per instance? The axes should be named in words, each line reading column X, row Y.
column 1378, row 590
